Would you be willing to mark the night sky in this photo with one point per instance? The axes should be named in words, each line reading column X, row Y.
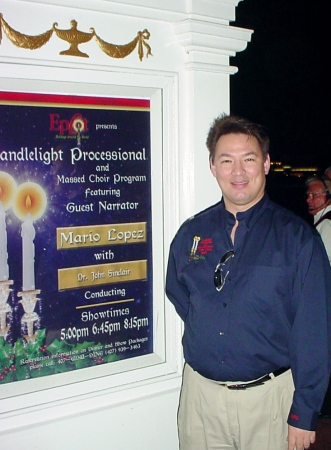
column 281, row 82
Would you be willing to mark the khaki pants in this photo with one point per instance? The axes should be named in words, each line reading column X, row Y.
column 213, row 417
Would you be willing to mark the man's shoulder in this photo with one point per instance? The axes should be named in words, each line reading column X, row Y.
column 200, row 221
column 286, row 214
column 327, row 215
column 203, row 216
column 324, row 221
column 290, row 223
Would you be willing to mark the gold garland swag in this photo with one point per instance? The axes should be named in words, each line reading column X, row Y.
column 75, row 37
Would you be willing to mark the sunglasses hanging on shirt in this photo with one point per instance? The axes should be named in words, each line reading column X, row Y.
column 219, row 276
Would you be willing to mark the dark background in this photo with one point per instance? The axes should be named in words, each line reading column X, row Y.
column 281, row 83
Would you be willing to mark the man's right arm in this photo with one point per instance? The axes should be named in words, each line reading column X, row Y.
column 176, row 291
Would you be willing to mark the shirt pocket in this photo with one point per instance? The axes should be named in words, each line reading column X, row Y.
column 267, row 285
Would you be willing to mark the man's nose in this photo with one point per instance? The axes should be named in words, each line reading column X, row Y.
column 238, row 167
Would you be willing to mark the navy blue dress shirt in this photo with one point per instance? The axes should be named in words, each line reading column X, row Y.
column 274, row 309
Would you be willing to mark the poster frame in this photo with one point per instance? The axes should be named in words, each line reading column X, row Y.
column 165, row 361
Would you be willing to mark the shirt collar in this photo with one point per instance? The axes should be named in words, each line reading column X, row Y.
column 250, row 215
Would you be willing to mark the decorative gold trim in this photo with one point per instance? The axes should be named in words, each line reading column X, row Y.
column 75, row 37
column 23, row 40
column 121, row 51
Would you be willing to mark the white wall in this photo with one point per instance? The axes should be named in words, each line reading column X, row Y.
column 191, row 42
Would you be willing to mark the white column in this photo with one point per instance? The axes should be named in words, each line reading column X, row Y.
column 204, row 94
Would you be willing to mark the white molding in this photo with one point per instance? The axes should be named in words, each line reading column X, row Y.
column 167, row 11
column 208, row 46
column 87, row 403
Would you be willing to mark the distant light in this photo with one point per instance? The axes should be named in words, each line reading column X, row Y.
column 294, row 171
column 304, row 169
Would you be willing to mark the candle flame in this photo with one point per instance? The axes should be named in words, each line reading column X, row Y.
column 8, row 188
column 30, row 199
column 28, row 202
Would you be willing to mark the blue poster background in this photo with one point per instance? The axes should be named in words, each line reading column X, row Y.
column 94, row 173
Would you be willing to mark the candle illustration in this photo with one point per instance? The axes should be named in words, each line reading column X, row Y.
column 7, row 190
column 29, row 205
column 28, row 234
column 4, row 270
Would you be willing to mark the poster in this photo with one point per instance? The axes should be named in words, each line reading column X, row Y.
column 76, row 282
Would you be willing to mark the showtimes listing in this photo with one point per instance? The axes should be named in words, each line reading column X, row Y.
column 76, row 281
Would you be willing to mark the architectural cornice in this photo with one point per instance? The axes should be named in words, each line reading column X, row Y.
column 208, row 46
column 169, row 11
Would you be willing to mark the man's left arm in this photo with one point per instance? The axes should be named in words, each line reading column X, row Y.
column 310, row 340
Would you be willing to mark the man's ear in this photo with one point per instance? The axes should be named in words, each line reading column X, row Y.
column 212, row 167
column 267, row 165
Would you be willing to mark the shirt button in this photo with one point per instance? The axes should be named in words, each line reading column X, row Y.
column 225, row 305
column 221, row 333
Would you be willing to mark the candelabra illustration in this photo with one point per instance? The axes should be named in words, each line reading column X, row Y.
column 30, row 204
column 78, row 127
column 7, row 191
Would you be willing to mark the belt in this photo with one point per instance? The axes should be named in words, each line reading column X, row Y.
column 257, row 382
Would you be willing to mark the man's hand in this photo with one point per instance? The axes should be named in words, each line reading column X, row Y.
column 300, row 439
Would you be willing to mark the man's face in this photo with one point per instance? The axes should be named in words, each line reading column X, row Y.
column 240, row 171
column 316, row 197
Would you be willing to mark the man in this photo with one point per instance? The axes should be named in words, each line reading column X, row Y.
column 252, row 283
column 319, row 206
column 327, row 173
